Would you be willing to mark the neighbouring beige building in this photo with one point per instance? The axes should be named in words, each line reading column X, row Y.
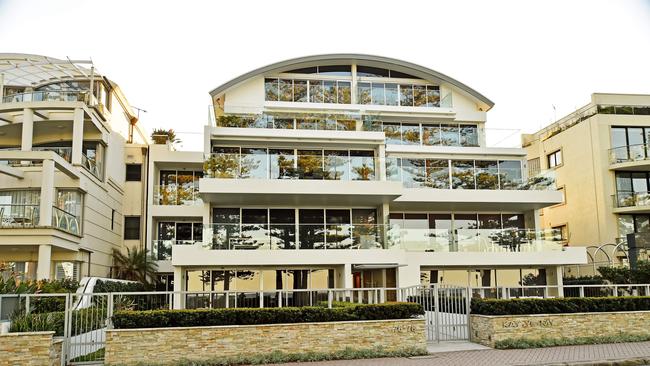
column 71, row 162
column 600, row 155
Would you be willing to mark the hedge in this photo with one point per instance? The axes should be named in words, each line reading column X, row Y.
column 114, row 286
column 559, row 305
column 246, row 316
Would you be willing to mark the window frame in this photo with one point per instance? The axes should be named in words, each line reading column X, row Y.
column 129, row 178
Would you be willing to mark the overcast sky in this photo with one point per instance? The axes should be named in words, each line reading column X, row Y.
column 525, row 56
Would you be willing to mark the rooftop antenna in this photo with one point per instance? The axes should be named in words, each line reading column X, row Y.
column 138, row 109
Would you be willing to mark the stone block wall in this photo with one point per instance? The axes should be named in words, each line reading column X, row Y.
column 168, row 345
column 488, row 329
column 26, row 349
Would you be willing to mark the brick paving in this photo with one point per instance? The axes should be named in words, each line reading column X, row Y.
column 537, row 356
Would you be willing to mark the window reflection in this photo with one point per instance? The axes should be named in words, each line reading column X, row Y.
column 463, row 174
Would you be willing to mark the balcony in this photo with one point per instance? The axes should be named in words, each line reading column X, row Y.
column 27, row 216
column 281, row 177
column 631, row 202
column 630, row 157
column 48, row 96
column 234, row 237
column 93, row 165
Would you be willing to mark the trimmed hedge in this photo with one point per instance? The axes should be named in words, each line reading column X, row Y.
column 559, row 305
column 113, row 286
column 250, row 316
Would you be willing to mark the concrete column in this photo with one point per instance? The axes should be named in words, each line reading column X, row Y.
column 347, row 276
column 47, row 194
column 28, row 130
column 43, row 267
column 381, row 163
column 559, row 270
column 179, row 285
column 2, row 86
column 538, row 220
column 77, row 135
column 353, row 84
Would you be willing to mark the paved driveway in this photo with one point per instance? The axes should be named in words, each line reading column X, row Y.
column 537, row 356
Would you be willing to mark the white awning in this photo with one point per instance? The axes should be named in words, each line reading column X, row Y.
column 33, row 70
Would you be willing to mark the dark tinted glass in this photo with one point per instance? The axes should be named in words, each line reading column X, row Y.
column 372, row 71
column 133, row 172
column 339, row 70
column 132, row 228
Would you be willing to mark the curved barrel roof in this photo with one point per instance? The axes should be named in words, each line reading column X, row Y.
column 411, row 68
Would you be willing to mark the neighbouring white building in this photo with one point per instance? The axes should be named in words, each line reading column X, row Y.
column 348, row 171
column 71, row 163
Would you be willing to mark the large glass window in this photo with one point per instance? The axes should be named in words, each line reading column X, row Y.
column 254, row 229
column 338, row 229
column 300, row 91
column 449, row 135
column 19, row 208
column 282, row 162
column 364, row 93
column 410, row 134
column 271, row 89
column 344, row 92
column 362, row 165
column 431, row 135
column 510, row 175
column 419, row 95
column 392, row 131
column 468, row 135
column 316, row 91
column 226, row 228
column 463, row 174
column 554, row 159
column 414, row 173
column 286, row 90
column 337, row 165
column 283, row 228
column 310, row 164
column 406, row 95
column 437, row 174
column 329, row 91
column 433, row 96
column 391, row 94
column 311, row 228
column 378, row 95
column 487, row 174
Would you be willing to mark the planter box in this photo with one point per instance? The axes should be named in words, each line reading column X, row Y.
column 488, row 329
column 168, row 345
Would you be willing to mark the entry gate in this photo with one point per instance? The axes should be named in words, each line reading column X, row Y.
column 446, row 311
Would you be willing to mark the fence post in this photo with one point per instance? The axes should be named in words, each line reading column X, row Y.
column 329, row 299
column 545, row 292
column 27, row 303
column 582, row 291
column 382, row 295
column 504, row 293
column 65, row 348
column 468, row 305
column 261, row 299
column 647, row 291
column 280, row 298
column 109, row 310
column 436, row 312
column 615, row 291
column 171, row 300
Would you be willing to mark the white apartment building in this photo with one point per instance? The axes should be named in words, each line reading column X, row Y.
column 348, row 171
column 67, row 134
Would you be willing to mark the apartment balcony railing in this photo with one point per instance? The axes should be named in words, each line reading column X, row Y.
column 65, row 221
column 271, row 166
column 376, row 236
column 93, row 166
column 19, row 215
column 176, row 195
column 629, row 153
column 162, row 249
column 48, row 96
column 631, row 199
column 64, row 152
column 28, row 216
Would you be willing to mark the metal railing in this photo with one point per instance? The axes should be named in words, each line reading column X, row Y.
column 175, row 195
column 290, row 166
column 227, row 236
column 63, row 151
column 629, row 153
column 47, row 96
column 65, row 221
column 631, row 199
column 93, row 166
column 19, row 215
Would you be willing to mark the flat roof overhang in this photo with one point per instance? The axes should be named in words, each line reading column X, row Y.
column 297, row 192
column 479, row 199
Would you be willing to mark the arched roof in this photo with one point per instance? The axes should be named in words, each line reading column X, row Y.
column 399, row 65
column 32, row 70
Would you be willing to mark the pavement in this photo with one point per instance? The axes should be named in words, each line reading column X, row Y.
column 470, row 354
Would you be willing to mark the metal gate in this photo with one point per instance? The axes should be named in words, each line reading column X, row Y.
column 446, row 311
column 87, row 319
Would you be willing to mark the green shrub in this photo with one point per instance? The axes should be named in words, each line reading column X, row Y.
column 559, row 305
column 112, row 286
column 83, row 321
column 583, row 280
column 524, row 343
column 281, row 357
column 245, row 316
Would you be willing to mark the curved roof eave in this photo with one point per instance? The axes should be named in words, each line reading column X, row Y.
column 295, row 62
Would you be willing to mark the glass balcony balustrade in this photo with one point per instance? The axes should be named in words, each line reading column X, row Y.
column 287, row 165
column 47, row 96
column 228, row 236
column 177, row 195
column 629, row 153
column 631, row 199
column 93, row 165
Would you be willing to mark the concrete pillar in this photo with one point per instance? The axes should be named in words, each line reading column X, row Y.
column 353, row 84
column 380, row 164
column 77, row 135
column 2, row 86
column 179, row 285
column 347, row 276
column 28, row 129
column 559, row 274
column 538, row 220
column 47, row 194
column 43, row 267
column 408, row 275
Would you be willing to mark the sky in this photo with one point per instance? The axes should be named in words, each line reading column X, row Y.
column 536, row 60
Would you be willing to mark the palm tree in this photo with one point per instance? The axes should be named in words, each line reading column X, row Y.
column 135, row 265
